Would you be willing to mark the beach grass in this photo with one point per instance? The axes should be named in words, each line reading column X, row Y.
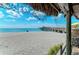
column 54, row 50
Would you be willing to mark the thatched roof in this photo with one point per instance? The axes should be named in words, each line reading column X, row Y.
column 76, row 9
column 55, row 8
column 46, row 7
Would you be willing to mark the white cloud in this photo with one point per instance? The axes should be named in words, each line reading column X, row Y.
column 31, row 11
column 38, row 13
column 31, row 18
column 11, row 12
column 21, row 13
column 24, row 9
column 20, row 9
column 1, row 15
column 11, row 16
column 59, row 15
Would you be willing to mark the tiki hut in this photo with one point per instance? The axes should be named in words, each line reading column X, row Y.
column 55, row 9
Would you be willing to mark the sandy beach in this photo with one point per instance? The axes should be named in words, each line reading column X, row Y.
column 29, row 43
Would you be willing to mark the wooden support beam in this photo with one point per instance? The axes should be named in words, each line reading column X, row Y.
column 68, row 41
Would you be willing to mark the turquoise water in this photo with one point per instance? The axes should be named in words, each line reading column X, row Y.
column 19, row 29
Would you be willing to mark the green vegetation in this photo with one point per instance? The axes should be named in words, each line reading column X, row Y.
column 54, row 50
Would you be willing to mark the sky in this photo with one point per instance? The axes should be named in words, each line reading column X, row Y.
column 21, row 15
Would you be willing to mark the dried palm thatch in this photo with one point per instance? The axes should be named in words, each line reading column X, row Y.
column 55, row 8
column 47, row 8
column 76, row 10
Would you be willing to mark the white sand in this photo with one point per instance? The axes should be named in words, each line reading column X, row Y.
column 30, row 43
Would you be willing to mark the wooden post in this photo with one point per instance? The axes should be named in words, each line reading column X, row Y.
column 61, row 50
column 68, row 30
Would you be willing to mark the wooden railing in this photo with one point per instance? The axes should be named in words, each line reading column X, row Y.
column 62, row 50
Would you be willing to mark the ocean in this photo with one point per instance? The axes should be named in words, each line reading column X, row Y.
column 19, row 29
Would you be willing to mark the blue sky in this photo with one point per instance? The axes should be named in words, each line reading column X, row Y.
column 21, row 15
